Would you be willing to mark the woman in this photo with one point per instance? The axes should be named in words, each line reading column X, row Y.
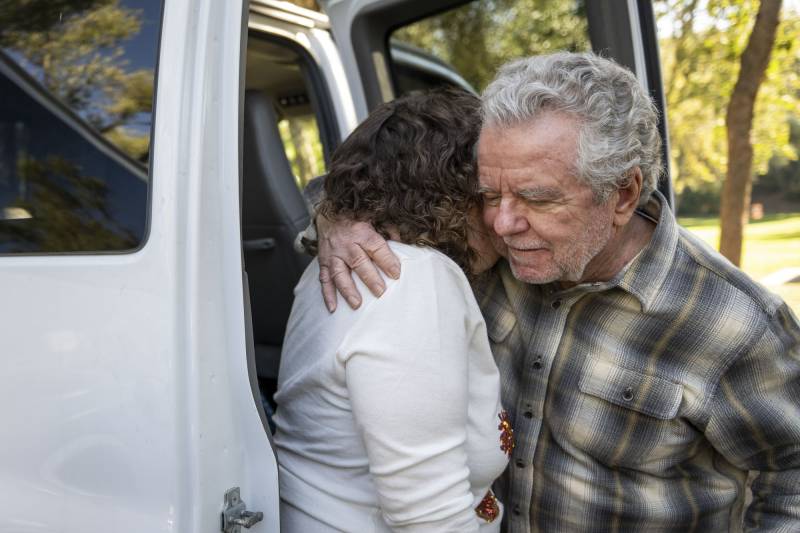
column 389, row 416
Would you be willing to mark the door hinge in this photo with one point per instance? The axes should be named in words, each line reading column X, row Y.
column 235, row 514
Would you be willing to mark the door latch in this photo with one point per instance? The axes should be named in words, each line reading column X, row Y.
column 235, row 514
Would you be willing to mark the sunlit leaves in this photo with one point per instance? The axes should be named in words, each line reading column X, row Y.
column 701, row 43
column 480, row 36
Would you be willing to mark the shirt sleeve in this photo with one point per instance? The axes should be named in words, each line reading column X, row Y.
column 406, row 369
column 755, row 423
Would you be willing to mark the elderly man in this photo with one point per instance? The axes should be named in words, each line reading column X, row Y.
column 646, row 376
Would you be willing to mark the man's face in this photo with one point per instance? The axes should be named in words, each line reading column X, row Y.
column 546, row 222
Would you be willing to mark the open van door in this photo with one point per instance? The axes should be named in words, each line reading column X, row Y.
column 624, row 30
column 127, row 388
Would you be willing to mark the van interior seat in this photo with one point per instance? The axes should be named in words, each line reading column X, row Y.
column 273, row 213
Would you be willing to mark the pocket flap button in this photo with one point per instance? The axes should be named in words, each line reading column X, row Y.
column 627, row 394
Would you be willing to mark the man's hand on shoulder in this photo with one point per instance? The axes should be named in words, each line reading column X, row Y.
column 346, row 246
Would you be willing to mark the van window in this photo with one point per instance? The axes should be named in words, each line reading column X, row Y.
column 300, row 136
column 282, row 73
column 475, row 39
column 77, row 80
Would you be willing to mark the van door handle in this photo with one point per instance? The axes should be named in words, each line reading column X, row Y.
column 248, row 519
column 235, row 515
column 255, row 245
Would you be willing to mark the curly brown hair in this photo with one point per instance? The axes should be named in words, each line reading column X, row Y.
column 411, row 166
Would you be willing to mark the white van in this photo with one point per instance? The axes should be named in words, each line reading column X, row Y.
column 146, row 266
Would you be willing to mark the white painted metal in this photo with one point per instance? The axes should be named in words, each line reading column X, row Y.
column 283, row 10
column 124, row 392
column 339, row 85
column 341, row 14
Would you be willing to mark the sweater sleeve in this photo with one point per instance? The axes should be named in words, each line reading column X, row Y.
column 406, row 369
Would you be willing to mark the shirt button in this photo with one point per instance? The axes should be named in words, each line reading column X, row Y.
column 537, row 363
column 520, row 463
column 627, row 394
column 556, row 304
column 516, row 510
column 528, row 414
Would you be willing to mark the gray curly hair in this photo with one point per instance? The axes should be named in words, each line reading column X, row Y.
column 619, row 122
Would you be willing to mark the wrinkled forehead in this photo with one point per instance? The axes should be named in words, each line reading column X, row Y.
column 547, row 144
column 554, row 126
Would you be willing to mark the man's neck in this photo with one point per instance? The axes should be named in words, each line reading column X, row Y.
column 628, row 241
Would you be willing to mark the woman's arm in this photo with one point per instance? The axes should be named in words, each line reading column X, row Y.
column 406, row 371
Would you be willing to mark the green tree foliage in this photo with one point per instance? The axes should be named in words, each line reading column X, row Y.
column 300, row 136
column 30, row 16
column 783, row 173
column 700, row 64
column 480, row 36
column 74, row 49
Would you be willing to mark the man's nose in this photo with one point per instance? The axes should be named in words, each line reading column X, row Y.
column 508, row 220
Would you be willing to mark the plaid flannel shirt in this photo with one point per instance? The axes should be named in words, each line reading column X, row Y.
column 642, row 403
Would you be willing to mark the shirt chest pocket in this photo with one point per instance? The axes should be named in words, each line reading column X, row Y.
column 630, row 419
column 649, row 395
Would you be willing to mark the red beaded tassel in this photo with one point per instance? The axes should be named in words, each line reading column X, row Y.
column 506, row 433
column 488, row 509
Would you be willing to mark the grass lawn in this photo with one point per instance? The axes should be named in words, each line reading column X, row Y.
column 770, row 244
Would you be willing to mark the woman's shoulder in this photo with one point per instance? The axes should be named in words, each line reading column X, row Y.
column 429, row 275
column 418, row 259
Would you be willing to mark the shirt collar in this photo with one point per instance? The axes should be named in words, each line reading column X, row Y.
column 644, row 275
column 496, row 307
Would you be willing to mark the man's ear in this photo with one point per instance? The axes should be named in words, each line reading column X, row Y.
column 627, row 197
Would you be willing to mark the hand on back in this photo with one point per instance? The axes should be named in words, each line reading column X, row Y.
column 345, row 247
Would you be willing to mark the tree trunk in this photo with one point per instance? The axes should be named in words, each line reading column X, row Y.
column 735, row 201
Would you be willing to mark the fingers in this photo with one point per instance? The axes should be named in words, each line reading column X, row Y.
column 328, row 288
column 343, row 282
column 347, row 246
column 378, row 249
column 365, row 269
column 333, row 277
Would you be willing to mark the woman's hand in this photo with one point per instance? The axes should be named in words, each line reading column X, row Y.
column 346, row 246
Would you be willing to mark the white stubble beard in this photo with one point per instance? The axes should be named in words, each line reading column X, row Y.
column 586, row 247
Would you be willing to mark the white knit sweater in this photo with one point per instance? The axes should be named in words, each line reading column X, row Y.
column 388, row 416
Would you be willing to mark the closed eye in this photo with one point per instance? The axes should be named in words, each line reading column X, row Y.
column 490, row 197
column 538, row 202
column 541, row 197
